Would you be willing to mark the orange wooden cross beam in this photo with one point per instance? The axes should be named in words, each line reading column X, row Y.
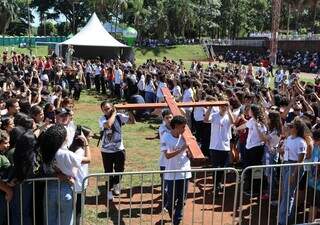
column 170, row 103
column 165, row 105
column 194, row 148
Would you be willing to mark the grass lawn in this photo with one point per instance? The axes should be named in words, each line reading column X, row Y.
column 142, row 153
column 184, row 52
column 37, row 51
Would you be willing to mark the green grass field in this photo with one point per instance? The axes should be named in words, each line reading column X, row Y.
column 185, row 52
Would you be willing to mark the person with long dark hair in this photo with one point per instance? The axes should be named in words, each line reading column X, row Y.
column 272, row 137
column 255, row 140
column 25, row 167
column 294, row 151
column 81, row 148
column 58, row 160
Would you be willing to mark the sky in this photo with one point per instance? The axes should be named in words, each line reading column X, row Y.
column 36, row 22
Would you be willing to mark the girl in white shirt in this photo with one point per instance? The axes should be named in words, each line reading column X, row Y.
column 81, row 148
column 294, row 151
column 255, row 140
column 272, row 138
column 176, row 91
column 65, row 164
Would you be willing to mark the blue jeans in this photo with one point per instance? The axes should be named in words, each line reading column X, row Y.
column 26, row 190
column 271, row 158
column 288, row 196
column 52, row 201
column 176, row 196
column 163, row 187
column 3, row 208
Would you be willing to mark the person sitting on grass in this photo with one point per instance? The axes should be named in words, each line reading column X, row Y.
column 176, row 150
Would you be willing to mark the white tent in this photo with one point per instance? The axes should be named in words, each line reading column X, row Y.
column 93, row 40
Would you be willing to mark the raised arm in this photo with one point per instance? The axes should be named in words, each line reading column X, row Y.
column 207, row 115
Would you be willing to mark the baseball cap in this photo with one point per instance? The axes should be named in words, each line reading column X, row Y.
column 63, row 112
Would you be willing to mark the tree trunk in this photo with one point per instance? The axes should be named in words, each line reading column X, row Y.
column 288, row 21
column 314, row 15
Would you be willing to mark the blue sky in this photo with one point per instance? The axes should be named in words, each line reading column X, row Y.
column 36, row 22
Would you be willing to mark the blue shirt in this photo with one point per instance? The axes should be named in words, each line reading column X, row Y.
column 315, row 158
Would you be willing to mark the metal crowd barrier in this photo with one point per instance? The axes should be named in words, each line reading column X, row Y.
column 142, row 197
column 30, row 203
column 141, row 200
column 286, row 193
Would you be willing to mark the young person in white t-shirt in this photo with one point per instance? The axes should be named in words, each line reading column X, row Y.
column 80, row 146
column 161, row 84
column 271, row 155
column 118, row 80
column 60, row 160
column 198, row 116
column 255, row 140
column 188, row 96
column 293, row 151
column 164, row 129
column 176, row 91
column 176, row 151
column 221, row 123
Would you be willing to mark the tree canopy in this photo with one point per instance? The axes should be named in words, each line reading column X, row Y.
column 166, row 18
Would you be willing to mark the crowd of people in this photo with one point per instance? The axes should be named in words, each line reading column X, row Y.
column 303, row 60
column 39, row 138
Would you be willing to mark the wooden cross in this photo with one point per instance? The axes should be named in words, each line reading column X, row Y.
column 194, row 148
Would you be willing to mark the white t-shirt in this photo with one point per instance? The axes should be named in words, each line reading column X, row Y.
column 187, row 97
column 293, row 146
column 176, row 92
column 97, row 70
column 253, row 139
column 44, row 77
column 112, row 135
column 71, row 130
column 163, row 129
column 220, row 132
column 141, row 84
column 274, row 139
column 159, row 92
column 82, row 172
column 68, row 162
column 150, row 87
column 198, row 113
column 89, row 69
column 179, row 162
column 118, row 76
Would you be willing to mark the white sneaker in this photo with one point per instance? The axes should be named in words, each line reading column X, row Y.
column 116, row 189
column 110, row 195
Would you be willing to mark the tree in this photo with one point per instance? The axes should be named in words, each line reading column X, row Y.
column 20, row 25
column 63, row 28
column 47, row 29
column 7, row 14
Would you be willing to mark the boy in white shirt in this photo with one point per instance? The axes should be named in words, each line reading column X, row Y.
column 163, row 130
column 176, row 152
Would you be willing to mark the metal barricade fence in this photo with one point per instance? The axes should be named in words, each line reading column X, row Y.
column 142, row 199
column 32, row 199
column 279, row 194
